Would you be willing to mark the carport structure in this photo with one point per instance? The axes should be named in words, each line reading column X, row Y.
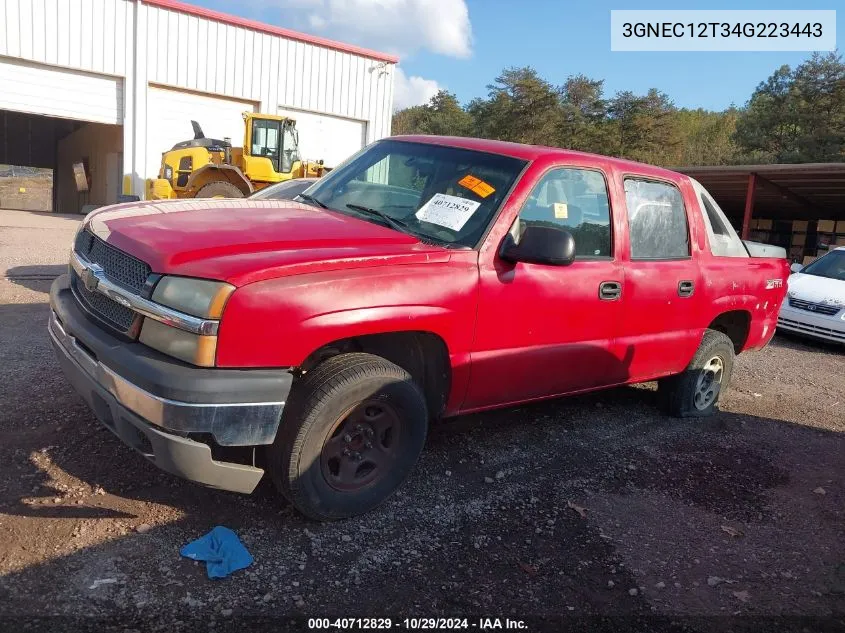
column 810, row 191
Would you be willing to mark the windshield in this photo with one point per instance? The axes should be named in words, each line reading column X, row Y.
column 831, row 266
column 443, row 194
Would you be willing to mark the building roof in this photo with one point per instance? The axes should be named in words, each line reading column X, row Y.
column 254, row 25
column 809, row 191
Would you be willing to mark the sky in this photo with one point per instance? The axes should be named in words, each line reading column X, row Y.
column 462, row 45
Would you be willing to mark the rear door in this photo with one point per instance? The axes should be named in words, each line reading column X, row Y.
column 663, row 285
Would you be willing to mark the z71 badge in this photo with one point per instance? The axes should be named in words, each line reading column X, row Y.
column 771, row 284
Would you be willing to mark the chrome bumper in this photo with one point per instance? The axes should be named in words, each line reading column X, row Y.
column 170, row 415
column 812, row 325
column 136, row 417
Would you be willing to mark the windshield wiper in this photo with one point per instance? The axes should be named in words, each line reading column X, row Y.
column 399, row 225
column 309, row 198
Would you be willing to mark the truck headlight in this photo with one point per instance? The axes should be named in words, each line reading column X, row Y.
column 198, row 297
column 191, row 348
column 201, row 298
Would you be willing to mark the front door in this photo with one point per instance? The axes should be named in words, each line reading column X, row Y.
column 545, row 330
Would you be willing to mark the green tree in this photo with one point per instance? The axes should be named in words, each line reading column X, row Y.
column 442, row 115
column 796, row 116
column 643, row 128
column 767, row 131
column 410, row 120
column 707, row 138
column 583, row 115
column 819, row 91
column 521, row 107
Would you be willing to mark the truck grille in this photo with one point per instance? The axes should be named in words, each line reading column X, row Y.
column 120, row 268
column 118, row 316
column 818, row 308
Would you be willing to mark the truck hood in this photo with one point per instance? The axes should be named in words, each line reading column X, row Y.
column 817, row 289
column 243, row 241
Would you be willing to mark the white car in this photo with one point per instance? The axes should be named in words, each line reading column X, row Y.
column 815, row 303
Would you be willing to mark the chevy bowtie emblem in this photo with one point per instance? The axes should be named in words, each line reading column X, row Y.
column 89, row 277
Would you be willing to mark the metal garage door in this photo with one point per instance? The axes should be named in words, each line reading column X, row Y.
column 169, row 115
column 59, row 92
column 330, row 138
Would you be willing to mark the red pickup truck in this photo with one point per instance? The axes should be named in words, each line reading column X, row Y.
column 426, row 277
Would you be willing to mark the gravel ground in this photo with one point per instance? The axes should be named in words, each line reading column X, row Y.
column 587, row 507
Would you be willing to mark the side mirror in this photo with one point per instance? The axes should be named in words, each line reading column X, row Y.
column 540, row 245
column 796, row 267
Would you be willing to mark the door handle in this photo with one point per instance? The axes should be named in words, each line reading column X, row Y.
column 610, row 290
column 685, row 288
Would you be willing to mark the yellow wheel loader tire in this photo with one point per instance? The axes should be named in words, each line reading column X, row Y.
column 220, row 189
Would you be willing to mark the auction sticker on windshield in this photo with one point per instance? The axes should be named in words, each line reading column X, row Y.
column 476, row 185
column 447, row 211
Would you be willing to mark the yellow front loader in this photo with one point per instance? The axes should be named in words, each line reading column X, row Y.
column 212, row 168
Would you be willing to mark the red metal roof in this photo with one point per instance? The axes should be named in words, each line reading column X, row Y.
column 806, row 191
column 202, row 12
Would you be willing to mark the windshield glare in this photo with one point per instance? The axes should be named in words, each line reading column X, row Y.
column 287, row 190
column 831, row 265
column 444, row 194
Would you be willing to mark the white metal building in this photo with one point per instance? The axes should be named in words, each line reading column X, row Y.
column 114, row 83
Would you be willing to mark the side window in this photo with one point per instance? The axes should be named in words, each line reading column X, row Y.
column 716, row 224
column 657, row 220
column 574, row 199
column 723, row 240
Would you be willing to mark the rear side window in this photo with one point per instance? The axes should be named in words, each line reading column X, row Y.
column 576, row 200
column 657, row 220
column 723, row 240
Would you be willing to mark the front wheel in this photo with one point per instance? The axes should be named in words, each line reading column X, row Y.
column 350, row 435
column 696, row 392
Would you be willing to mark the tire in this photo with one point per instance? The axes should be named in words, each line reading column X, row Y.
column 220, row 189
column 685, row 395
column 348, row 396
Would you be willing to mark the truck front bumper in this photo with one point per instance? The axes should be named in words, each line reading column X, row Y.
column 161, row 407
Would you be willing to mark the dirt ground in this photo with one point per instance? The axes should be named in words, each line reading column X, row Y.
column 594, row 512
column 32, row 193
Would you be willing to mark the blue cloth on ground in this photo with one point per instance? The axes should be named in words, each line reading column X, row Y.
column 222, row 551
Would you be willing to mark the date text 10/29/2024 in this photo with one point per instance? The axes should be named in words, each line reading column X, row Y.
column 422, row 624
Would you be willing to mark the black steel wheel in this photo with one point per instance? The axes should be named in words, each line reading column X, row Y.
column 351, row 433
column 363, row 446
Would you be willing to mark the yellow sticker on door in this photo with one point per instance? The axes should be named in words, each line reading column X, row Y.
column 476, row 185
column 561, row 211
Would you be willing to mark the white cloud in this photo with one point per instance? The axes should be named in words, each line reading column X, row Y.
column 401, row 27
column 411, row 91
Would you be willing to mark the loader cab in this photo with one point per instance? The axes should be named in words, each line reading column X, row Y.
column 271, row 142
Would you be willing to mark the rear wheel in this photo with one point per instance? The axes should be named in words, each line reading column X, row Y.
column 352, row 431
column 696, row 392
column 220, row 189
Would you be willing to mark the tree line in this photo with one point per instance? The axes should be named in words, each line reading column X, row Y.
column 795, row 116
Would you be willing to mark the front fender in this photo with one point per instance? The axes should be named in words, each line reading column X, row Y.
column 280, row 322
